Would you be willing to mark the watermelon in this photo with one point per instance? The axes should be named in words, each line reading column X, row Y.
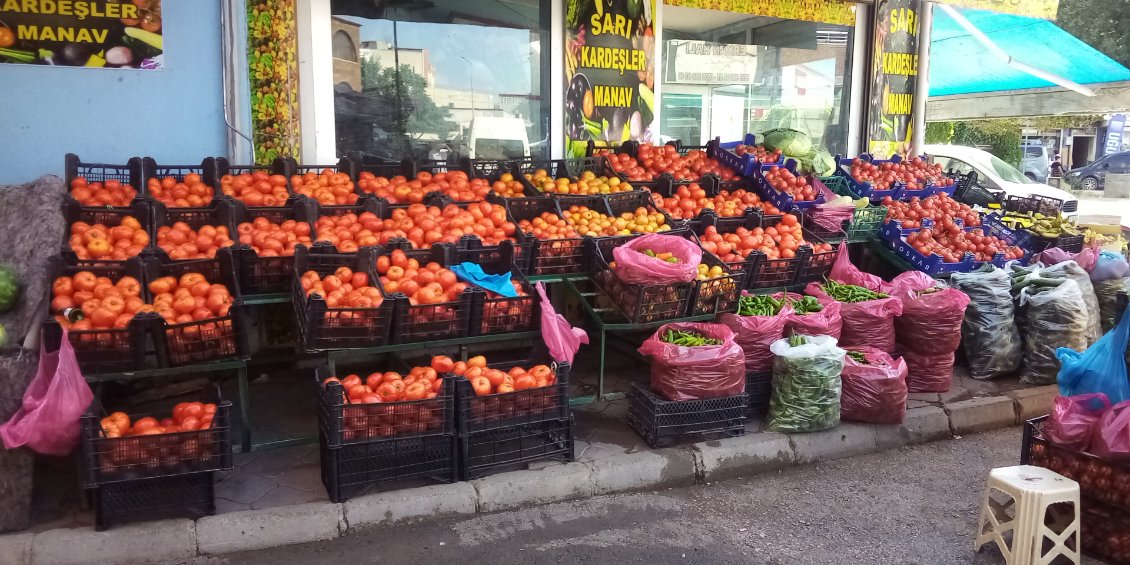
column 9, row 288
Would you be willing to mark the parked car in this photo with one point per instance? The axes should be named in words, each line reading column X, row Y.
column 1093, row 176
column 1036, row 162
column 996, row 175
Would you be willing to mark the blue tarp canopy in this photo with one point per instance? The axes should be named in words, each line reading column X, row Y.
column 959, row 64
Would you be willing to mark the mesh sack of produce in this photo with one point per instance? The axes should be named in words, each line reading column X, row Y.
column 874, row 387
column 1072, row 421
column 1071, row 270
column 806, row 384
column 695, row 372
column 1107, row 294
column 867, row 315
column 760, row 321
column 1111, row 438
column 1056, row 318
column 931, row 319
column 1099, row 369
column 807, row 320
column 635, row 266
column 989, row 334
column 932, row 372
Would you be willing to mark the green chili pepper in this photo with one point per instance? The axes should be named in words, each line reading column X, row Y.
column 850, row 293
column 688, row 339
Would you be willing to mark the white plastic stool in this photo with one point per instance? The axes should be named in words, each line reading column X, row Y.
column 1033, row 490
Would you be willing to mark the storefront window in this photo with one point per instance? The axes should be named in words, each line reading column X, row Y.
column 728, row 74
column 432, row 79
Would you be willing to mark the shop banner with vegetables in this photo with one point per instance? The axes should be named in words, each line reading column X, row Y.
column 77, row 33
column 837, row 12
column 1045, row 9
column 609, row 73
column 894, row 75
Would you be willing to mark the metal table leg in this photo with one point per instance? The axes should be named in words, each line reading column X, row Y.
column 244, row 411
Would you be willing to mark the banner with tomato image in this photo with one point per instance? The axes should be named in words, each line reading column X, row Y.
column 609, row 73
column 894, row 76
column 82, row 33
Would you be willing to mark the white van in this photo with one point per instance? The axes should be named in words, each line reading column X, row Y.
column 498, row 137
column 995, row 174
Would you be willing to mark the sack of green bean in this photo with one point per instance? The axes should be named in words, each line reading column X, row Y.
column 868, row 315
column 810, row 317
column 760, row 321
column 695, row 361
column 806, row 384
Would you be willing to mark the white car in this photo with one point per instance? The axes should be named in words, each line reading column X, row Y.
column 994, row 174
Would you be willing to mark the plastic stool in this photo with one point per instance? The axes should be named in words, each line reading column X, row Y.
column 1033, row 490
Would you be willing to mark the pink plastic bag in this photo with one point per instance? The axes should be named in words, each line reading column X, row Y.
column 48, row 421
column 831, row 218
column 1112, row 433
column 825, row 322
column 874, row 392
column 695, row 373
column 870, row 323
column 1086, row 258
column 633, row 267
column 844, row 271
column 561, row 338
column 930, row 323
column 928, row 373
column 754, row 334
column 1072, row 421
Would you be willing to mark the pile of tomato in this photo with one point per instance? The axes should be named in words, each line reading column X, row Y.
column 915, row 173
column 486, row 381
column 344, row 289
column 182, row 242
column 628, row 166
column 693, row 166
column 940, row 208
column 109, row 193
column 268, row 239
column 759, row 152
column 427, row 284
column 690, row 200
column 188, row 193
column 784, row 180
column 952, row 242
column 117, row 243
column 548, row 226
column 256, row 189
column 399, row 190
column 776, row 242
column 596, row 224
column 186, row 417
column 190, row 298
column 328, row 188
column 105, row 304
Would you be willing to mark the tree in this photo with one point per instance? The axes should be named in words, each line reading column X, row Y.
column 1102, row 24
column 939, row 132
column 404, row 109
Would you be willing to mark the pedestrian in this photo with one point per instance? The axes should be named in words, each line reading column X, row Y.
column 1057, row 167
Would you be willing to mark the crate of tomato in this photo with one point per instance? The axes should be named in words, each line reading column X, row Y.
column 429, row 301
column 799, row 257
column 200, row 240
column 690, row 202
column 202, row 318
column 897, row 178
column 337, row 300
column 786, row 188
column 180, row 187
column 106, row 234
column 256, row 185
column 378, row 428
column 267, row 239
column 110, row 331
column 494, row 312
column 157, row 465
column 743, row 156
column 98, row 185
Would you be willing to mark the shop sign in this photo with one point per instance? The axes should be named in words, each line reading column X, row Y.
column 839, row 12
column 702, row 62
column 609, row 72
column 894, row 72
column 1045, row 9
column 1114, row 133
column 82, row 33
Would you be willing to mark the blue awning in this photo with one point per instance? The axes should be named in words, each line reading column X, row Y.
column 959, row 64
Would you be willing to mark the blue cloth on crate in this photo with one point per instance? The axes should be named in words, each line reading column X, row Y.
column 474, row 274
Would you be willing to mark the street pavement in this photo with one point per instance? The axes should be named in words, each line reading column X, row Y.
column 1093, row 203
column 909, row 506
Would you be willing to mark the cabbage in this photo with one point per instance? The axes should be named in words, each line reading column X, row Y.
column 817, row 162
column 791, row 142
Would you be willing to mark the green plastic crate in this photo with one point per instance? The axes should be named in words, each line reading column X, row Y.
column 865, row 222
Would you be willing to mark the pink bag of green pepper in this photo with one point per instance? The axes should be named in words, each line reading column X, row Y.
column 634, row 267
column 825, row 322
column 695, row 373
column 874, row 391
column 1072, row 421
column 931, row 317
column 754, row 334
column 870, row 323
column 1112, row 433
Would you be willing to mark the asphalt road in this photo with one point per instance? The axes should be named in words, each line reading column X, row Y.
column 915, row 505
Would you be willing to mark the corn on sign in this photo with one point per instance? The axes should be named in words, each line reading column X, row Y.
column 82, row 33
column 1045, row 9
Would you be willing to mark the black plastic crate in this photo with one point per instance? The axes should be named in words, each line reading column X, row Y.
column 494, row 313
column 761, row 271
column 563, row 256
column 505, row 410
column 759, row 389
column 717, row 295
column 179, row 496
column 140, row 210
column 1039, row 451
column 713, row 152
column 511, row 448
column 428, row 322
column 489, row 169
column 640, row 304
column 105, row 460
column 1101, row 527
column 210, row 339
column 555, row 169
column 207, row 170
column 131, row 174
column 814, row 265
column 663, row 422
column 1033, row 204
column 1068, row 243
column 351, row 470
column 323, row 328
column 105, row 350
column 343, row 423
column 267, row 274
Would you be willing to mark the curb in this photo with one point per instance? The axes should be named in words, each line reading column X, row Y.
column 701, row 463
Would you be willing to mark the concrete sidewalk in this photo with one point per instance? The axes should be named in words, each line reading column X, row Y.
column 610, row 459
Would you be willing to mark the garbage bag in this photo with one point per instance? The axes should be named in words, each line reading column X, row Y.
column 1111, row 438
column 1072, row 421
column 930, row 372
column 825, row 322
column 1073, row 271
column 989, row 334
column 806, row 385
column 870, row 323
column 874, row 389
column 931, row 319
column 754, row 334
column 1056, row 318
column 1101, row 368
column 634, row 267
column 560, row 337
column 695, row 373
column 1107, row 294
column 49, row 420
